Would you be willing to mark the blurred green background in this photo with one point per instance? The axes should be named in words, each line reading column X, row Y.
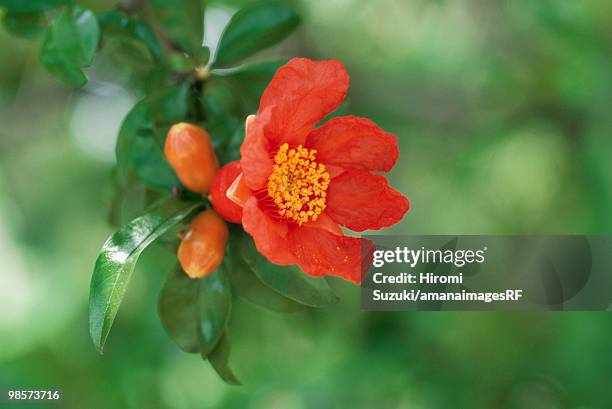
column 502, row 111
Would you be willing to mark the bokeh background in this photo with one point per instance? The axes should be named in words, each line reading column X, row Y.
column 502, row 110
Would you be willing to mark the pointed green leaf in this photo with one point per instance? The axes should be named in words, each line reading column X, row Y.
column 289, row 281
column 116, row 23
column 116, row 263
column 253, row 29
column 248, row 286
column 194, row 312
column 150, row 164
column 141, row 31
column 215, row 302
column 260, row 71
column 70, row 45
column 137, row 121
column 178, row 309
column 219, row 360
column 182, row 20
column 142, row 136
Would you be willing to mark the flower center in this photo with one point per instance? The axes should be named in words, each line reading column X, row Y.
column 298, row 184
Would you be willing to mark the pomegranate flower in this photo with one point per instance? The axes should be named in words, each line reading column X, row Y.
column 299, row 183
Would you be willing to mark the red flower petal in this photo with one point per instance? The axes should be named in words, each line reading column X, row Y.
column 255, row 158
column 361, row 201
column 270, row 236
column 353, row 142
column 322, row 253
column 326, row 223
column 223, row 179
column 302, row 92
column 334, row 170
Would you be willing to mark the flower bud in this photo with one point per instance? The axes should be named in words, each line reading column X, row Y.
column 229, row 210
column 202, row 248
column 190, row 153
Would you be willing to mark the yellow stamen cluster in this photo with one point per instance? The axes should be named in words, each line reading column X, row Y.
column 298, row 184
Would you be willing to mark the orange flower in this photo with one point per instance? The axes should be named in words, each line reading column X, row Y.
column 299, row 183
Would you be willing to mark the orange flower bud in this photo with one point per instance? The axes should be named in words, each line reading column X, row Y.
column 190, row 153
column 202, row 248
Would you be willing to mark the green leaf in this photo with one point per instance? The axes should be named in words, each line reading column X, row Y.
column 215, row 303
column 289, row 281
column 70, row 45
column 224, row 119
column 258, row 71
column 21, row 6
column 142, row 136
column 251, row 81
column 113, row 22
column 129, row 201
column 178, row 309
column 219, row 360
column 220, row 100
column 117, row 23
column 116, row 263
column 28, row 25
column 231, row 149
column 194, row 312
column 140, row 30
column 150, row 163
column 248, row 286
column 136, row 121
column 254, row 28
column 182, row 20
